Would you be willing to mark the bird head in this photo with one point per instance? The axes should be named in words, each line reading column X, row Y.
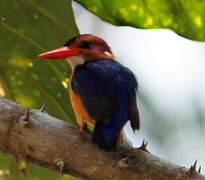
column 80, row 49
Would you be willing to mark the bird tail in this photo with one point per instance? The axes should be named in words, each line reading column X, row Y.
column 106, row 135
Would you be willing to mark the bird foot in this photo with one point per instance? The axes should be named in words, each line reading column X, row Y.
column 84, row 128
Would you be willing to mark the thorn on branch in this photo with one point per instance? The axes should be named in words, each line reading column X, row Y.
column 199, row 171
column 27, row 115
column 60, row 163
column 126, row 162
column 25, row 120
column 123, row 163
column 192, row 169
column 143, row 147
column 43, row 108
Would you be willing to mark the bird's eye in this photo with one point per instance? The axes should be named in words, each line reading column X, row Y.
column 84, row 45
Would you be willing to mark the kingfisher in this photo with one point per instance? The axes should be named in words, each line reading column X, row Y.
column 102, row 91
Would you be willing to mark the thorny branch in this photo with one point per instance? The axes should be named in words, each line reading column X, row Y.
column 36, row 137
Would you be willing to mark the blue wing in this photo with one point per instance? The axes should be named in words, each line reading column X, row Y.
column 108, row 92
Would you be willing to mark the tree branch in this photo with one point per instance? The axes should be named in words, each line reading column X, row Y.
column 36, row 137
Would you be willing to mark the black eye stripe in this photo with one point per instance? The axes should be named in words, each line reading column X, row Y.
column 84, row 44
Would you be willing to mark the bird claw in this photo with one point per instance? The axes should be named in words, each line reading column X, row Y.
column 84, row 128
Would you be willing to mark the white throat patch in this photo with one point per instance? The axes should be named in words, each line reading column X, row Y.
column 75, row 60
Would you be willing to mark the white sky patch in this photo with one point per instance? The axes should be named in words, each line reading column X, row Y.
column 170, row 72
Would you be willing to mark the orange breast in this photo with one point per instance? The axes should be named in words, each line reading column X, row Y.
column 82, row 116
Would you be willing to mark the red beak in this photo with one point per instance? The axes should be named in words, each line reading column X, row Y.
column 62, row 53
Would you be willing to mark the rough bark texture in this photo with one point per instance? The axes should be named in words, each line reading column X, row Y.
column 39, row 138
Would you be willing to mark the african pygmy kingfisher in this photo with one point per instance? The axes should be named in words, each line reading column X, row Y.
column 102, row 91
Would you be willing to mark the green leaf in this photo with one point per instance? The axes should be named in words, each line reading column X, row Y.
column 186, row 18
column 28, row 28
column 42, row 173
column 4, row 161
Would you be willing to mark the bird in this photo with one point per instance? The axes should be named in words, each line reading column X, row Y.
column 103, row 92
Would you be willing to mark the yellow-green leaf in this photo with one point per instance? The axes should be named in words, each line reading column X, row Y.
column 185, row 17
column 27, row 28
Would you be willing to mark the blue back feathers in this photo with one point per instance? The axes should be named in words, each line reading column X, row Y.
column 108, row 92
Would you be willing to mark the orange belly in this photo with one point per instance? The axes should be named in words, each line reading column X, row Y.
column 81, row 115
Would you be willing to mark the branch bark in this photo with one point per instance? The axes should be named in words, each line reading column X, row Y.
column 39, row 138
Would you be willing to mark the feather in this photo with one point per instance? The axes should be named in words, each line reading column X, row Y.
column 108, row 92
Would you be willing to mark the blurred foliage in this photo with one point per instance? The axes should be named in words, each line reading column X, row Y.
column 20, row 170
column 186, row 18
column 27, row 28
